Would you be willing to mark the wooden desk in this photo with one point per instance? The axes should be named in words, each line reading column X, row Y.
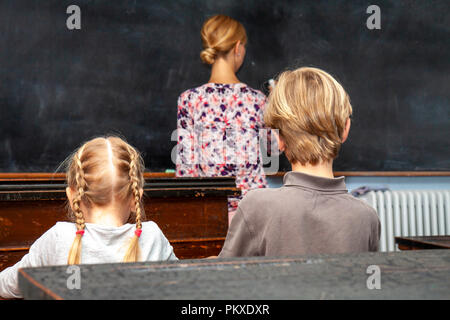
column 404, row 275
column 419, row 243
column 191, row 212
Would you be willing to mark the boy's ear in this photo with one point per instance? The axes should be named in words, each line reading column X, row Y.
column 280, row 142
column 346, row 130
column 70, row 194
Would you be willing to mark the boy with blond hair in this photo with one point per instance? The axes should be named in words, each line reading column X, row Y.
column 312, row 212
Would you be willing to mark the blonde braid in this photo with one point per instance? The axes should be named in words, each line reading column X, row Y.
column 133, row 251
column 75, row 250
column 135, row 188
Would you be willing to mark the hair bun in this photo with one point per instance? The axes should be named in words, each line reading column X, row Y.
column 208, row 55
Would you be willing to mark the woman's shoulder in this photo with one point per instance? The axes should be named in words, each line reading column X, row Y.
column 189, row 93
column 210, row 87
column 216, row 91
column 252, row 91
column 240, row 88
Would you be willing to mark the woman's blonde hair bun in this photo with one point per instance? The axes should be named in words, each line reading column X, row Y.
column 208, row 55
column 220, row 34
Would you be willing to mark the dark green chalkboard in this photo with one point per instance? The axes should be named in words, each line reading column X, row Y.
column 123, row 71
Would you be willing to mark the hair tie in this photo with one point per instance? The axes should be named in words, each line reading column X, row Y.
column 138, row 232
column 80, row 232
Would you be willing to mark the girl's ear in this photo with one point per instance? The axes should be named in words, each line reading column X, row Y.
column 70, row 195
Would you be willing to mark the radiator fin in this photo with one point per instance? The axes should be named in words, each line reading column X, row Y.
column 410, row 213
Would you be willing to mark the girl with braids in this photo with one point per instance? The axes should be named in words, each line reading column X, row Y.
column 104, row 188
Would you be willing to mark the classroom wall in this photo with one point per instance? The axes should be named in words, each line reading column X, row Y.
column 393, row 183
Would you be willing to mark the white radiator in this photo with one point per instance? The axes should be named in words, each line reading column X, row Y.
column 410, row 213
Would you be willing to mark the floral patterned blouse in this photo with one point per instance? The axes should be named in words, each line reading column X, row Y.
column 218, row 134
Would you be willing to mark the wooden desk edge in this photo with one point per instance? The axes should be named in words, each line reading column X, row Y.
column 35, row 283
column 411, row 244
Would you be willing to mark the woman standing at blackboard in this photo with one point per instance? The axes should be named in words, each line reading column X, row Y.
column 219, row 122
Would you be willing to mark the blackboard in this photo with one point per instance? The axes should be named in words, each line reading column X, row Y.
column 123, row 70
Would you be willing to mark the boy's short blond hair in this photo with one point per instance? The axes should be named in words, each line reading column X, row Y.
column 310, row 109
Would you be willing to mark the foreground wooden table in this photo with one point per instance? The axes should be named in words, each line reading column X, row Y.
column 419, row 243
column 191, row 212
column 404, row 275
